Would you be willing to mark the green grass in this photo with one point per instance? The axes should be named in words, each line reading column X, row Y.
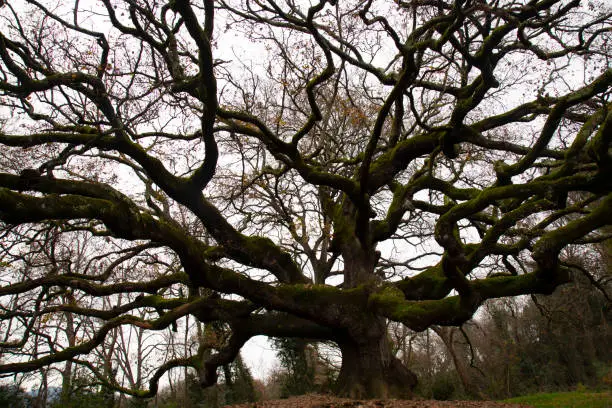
column 576, row 399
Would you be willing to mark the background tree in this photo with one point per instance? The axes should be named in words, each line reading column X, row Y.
column 353, row 163
column 13, row 396
column 521, row 346
column 297, row 375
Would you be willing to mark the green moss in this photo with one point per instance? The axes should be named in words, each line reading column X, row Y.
column 417, row 315
column 90, row 130
column 506, row 285
column 390, row 300
column 161, row 303
column 552, row 242
column 262, row 252
column 385, row 160
column 263, row 249
column 463, row 106
column 258, row 245
column 389, row 294
column 324, row 296
column 430, row 284
column 311, row 293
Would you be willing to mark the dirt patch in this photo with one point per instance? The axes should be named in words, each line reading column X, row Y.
column 325, row 401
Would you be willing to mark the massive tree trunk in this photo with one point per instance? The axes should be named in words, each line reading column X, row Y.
column 370, row 370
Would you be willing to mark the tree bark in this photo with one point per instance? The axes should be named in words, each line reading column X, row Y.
column 67, row 372
column 369, row 368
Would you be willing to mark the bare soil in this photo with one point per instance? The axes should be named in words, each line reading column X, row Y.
column 326, row 401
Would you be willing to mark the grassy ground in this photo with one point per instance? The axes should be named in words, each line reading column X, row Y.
column 576, row 399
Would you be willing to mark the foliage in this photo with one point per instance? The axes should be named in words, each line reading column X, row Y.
column 297, row 378
column 198, row 396
column 444, row 387
column 576, row 399
column 13, row 397
column 84, row 394
column 539, row 344
column 289, row 169
column 429, row 358
column 239, row 383
column 237, row 386
column 554, row 344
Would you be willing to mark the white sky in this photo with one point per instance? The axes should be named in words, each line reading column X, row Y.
column 260, row 357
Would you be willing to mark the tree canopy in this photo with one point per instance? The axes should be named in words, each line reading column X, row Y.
column 308, row 169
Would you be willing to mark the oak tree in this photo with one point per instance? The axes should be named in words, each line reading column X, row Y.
column 308, row 169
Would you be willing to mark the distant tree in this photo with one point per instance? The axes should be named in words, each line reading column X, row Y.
column 239, row 383
column 566, row 341
column 83, row 393
column 294, row 170
column 297, row 375
column 237, row 386
column 520, row 346
column 457, row 345
column 543, row 343
column 197, row 396
column 13, row 397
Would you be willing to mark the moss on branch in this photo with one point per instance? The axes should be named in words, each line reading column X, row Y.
column 418, row 315
column 429, row 284
column 454, row 310
column 388, row 164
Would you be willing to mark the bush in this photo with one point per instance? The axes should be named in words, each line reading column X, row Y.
column 443, row 387
column 13, row 396
column 84, row 394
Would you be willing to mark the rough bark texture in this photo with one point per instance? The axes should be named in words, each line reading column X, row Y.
column 369, row 369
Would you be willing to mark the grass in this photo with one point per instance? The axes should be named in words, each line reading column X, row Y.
column 575, row 399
